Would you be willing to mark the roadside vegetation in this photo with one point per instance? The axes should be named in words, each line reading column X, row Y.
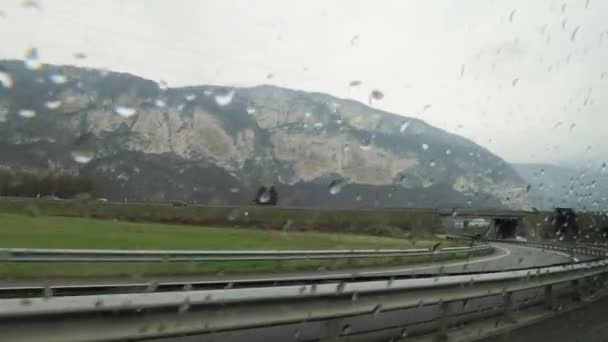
column 39, row 231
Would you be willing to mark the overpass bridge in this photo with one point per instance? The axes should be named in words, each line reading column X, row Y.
column 501, row 224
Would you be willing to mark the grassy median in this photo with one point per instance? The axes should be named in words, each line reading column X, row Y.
column 61, row 232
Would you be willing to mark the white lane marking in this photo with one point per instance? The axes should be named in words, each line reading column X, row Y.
column 457, row 263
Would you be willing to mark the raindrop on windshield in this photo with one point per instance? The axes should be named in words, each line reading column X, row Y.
column 404, row 126
column 264, row 197
column 190, row 97
column 32, row 61
column 58, row 78
column 432, row 163
column 514, row 82
column 27, row 113
column 603, row 169
column 224, row 98
column 79, row 55
column 448, row 151
column 511, row 15
column 82, row 156
column 355, row 83
column 574, row 32
column 160, row 103
column 52, row 104
column 31, row 4
column 5, row 78
column 425, row 147
column 250, row 109
column 163, row 85
column 124, row 111
column 346, row 330
column 336, row 186
column 572, row 126
column 375, row 95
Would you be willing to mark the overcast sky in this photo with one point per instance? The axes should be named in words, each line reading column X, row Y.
column 526, row 79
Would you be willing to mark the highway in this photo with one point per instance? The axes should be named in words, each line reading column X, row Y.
column 342, row 307
column 506, row 256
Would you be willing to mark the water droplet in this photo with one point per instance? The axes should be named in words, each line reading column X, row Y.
column 124, row 111
column 27, row 113
column 296, row 334
column 355, row 83
column 346, row 329
column 163, row 85
column 207, row 92
column 559, row 123
column 224, row 98
column 190, row 97
column 5, row 78
column 432, row 163
column 404, row 126
column 448, row 151
column 574, row 32
column 32, row 61
column 603, row 169
column 514, row 82
column 426, row 107
column 52, row 104
column 588, row 149
column 542, row 172
column 336, row 186
column 264, row 197
column 250, row 109
column 425, row 147
column 25, row 302
column 58, row 78
column 375, row 95
column 234, row 190
column 160, row 103
column 31, row 4
column 404, row 332
column 184, row 306
column 355, row 296
column 79, row 55
column 511, row 15
column 377, row 310
column 47, row 292
column 572, row 126
column 82, row 156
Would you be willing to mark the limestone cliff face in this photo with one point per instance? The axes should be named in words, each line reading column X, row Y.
column 218, row 145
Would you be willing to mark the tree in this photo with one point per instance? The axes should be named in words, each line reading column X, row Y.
column 274, row 196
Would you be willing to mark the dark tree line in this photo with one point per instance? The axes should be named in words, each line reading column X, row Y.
column 266, row 196
column 26, row 184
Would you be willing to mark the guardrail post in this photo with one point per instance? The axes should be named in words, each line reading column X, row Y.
column 548, row 297
column 508, row 307
column 577, row 290
column 442, row 334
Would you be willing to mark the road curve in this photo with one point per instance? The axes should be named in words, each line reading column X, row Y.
column 506, row 256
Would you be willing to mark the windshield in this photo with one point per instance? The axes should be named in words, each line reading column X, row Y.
column 176, row 153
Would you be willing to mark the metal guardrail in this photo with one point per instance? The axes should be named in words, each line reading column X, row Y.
column 100, row 255
column 342, row 309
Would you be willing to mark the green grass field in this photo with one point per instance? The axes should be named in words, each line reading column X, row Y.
column 63, row 232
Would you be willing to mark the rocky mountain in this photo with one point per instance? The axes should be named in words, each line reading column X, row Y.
column 558, row 186
column 140, row 140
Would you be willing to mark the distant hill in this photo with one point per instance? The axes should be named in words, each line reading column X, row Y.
column 556, row 186
column 140, row 141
